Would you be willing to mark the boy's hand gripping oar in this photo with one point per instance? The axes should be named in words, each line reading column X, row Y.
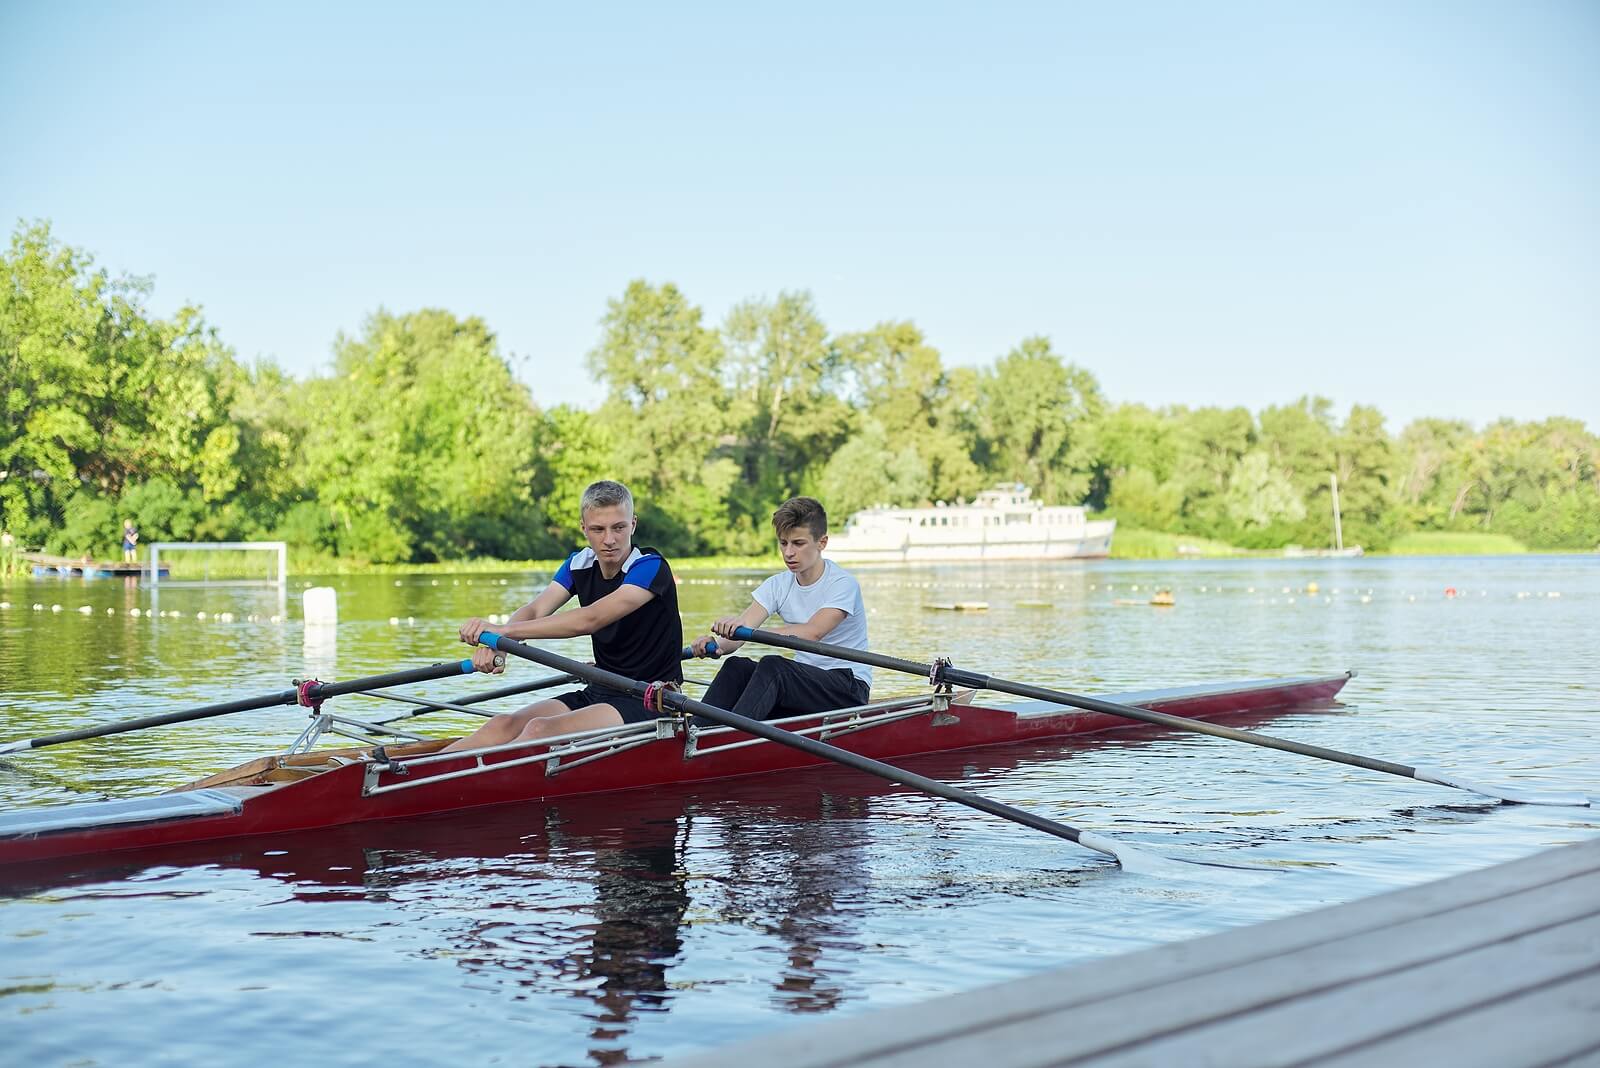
column 1136, row 860
column 944, row 672
column 310, row 693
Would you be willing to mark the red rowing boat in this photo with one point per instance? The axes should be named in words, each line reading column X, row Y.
column 302, row 791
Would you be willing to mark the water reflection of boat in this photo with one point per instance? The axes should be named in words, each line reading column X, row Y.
column 1003, row 523
column 297, row 792
column 581, row 899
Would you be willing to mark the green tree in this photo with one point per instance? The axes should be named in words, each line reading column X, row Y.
column 663, row 372
column 1259, row 496
column 1366, row 469
column 1130, row 439
column 787, row 384
column 867, row 470
column 1298, row 440
column 423, row 443
column 1211, row 442
column 901, row 382
column 1037, row 416
column 1432, row 476
column 97, row 394
column 575, row 448
column 1140, row 499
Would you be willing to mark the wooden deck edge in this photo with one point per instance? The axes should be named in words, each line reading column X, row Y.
column 839, row 1042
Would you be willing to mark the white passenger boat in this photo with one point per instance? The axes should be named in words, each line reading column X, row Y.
column 1004, row 523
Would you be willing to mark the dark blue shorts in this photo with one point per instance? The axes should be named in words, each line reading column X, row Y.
column 631, row 708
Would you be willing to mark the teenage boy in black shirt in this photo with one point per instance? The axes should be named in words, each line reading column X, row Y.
column 628, row 604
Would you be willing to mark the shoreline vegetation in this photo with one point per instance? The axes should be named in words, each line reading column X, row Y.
column 1132, row 543
column 383, row 460
column 1139, row 545
column 1135, row 544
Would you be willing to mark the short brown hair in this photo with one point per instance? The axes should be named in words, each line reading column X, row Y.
column 800, row 512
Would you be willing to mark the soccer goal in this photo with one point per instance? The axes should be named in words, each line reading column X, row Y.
column 219, row 563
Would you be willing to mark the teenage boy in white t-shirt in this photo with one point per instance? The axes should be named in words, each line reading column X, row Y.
column 817, row 600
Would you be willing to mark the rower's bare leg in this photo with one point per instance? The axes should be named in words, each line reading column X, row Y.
column 587, row 718
column 505, row 728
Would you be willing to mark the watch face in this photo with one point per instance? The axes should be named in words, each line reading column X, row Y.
column 499, row 659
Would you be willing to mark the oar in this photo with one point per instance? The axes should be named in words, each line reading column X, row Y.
column 943, row 672
column 460, row 703
column 1129, row 857
column 306, row 693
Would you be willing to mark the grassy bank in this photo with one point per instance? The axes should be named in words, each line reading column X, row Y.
column 1135, row 543
column 1455, row 543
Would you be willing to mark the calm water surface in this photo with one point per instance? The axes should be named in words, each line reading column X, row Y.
column 638, row 926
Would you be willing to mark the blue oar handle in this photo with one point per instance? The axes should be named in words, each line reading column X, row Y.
column 711, row 650
column 744, row 634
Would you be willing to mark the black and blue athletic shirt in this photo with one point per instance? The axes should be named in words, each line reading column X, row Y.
column 646, row 643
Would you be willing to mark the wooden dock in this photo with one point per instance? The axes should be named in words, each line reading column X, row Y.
column 45, row 564
column 1499, row 967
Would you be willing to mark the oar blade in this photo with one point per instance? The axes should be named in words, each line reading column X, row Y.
column 1508, row 794
column 1140, row 862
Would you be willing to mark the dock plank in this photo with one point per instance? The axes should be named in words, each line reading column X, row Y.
column 1558, row 1024
column 1324, row 1026
column 1589, row 1058
column 1190, row 1005
column 1088, row 1013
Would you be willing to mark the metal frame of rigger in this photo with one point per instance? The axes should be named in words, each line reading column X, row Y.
column 331, row 723
column 594, row 745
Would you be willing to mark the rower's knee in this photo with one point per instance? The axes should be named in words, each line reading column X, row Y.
column 504, row 726
column 536, row 728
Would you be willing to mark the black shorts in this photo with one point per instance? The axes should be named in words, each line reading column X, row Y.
column 631, row 708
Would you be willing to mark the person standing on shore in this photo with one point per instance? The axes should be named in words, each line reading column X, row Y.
column 130, row 542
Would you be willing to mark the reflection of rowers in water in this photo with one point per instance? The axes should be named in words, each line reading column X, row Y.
column 582, row 899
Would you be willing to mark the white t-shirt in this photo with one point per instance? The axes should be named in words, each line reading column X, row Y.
column 783, row 595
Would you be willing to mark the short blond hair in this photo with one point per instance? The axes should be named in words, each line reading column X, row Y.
column 605, row 494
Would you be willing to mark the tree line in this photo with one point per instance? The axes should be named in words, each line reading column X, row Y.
column 421, row 444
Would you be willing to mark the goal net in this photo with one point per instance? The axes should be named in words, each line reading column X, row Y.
column 219, row 563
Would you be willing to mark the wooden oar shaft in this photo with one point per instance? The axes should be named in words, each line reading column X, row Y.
column 317, row 691
column 971, row 679
column 679, row 702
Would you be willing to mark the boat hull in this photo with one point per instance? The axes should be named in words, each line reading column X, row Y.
column 362, row 791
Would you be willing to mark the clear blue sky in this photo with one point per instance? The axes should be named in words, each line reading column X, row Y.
column 1394, row 203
